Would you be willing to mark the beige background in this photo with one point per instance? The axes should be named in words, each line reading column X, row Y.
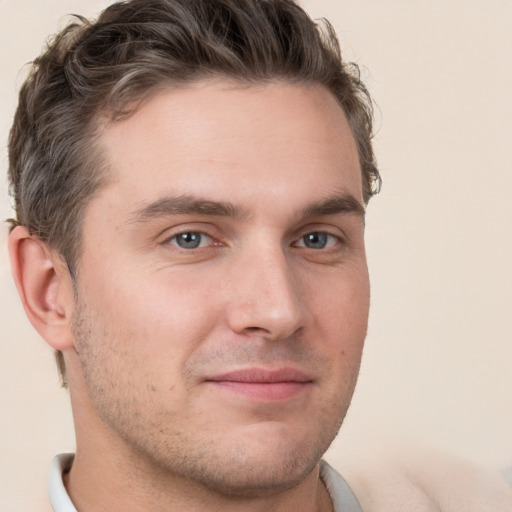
column 437, row 365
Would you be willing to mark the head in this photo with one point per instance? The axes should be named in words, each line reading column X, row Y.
column 95, row 73
column 91, row 99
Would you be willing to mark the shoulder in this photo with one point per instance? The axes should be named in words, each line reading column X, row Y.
column 428, row 483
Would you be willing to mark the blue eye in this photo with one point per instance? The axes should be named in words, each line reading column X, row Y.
column 190, row 240
column 317, row 240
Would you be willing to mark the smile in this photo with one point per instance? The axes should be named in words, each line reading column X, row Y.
column 263, row 385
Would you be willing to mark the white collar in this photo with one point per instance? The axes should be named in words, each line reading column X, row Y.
column 343, row 499
column 59, row 497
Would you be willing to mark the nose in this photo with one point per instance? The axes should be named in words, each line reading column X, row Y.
column 266, row 298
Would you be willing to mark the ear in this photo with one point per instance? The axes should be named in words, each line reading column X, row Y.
column 45, row 287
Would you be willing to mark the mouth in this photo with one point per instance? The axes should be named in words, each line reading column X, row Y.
column 263, row 385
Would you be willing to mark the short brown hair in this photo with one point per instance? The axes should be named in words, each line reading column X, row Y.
column 96, row 71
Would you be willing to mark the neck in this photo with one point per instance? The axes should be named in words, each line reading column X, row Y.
column 116, row 488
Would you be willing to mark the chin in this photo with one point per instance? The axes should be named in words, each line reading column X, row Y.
column 258, row 479
column 264, row 461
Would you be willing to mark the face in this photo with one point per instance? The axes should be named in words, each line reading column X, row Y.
column 222, row 289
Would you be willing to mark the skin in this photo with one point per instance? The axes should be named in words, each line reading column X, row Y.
column 212, row 377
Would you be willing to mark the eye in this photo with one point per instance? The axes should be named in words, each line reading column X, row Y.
column 317, row 240
column 191, row 240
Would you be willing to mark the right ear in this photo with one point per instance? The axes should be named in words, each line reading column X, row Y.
column 45, row 287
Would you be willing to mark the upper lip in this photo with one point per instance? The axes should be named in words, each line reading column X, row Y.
column 262, row 375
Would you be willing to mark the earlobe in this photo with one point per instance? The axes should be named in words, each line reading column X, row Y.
column 44, row 286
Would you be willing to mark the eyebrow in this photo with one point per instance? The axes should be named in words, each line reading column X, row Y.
column 193, row 205
column 187, row 205
column 340, row 203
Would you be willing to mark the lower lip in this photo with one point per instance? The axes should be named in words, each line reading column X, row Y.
column 264, row 391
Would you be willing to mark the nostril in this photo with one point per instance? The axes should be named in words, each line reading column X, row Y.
column 255, row 329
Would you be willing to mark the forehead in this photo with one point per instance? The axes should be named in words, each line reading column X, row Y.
column 227, row 138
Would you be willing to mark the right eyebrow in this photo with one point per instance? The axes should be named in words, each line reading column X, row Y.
column 186, row 205
column 343, row 203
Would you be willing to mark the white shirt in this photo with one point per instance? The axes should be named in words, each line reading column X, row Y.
column 343, row 499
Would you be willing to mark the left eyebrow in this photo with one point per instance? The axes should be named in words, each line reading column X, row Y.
column 345, row 203
column 187, row 205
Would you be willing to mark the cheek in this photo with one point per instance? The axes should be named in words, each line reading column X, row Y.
column 158, row 313
column 344, row 303
column 341, row 318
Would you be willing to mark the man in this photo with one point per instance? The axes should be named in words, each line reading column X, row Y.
column 190, row 180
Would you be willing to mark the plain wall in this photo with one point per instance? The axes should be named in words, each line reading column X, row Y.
column 437, row 364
